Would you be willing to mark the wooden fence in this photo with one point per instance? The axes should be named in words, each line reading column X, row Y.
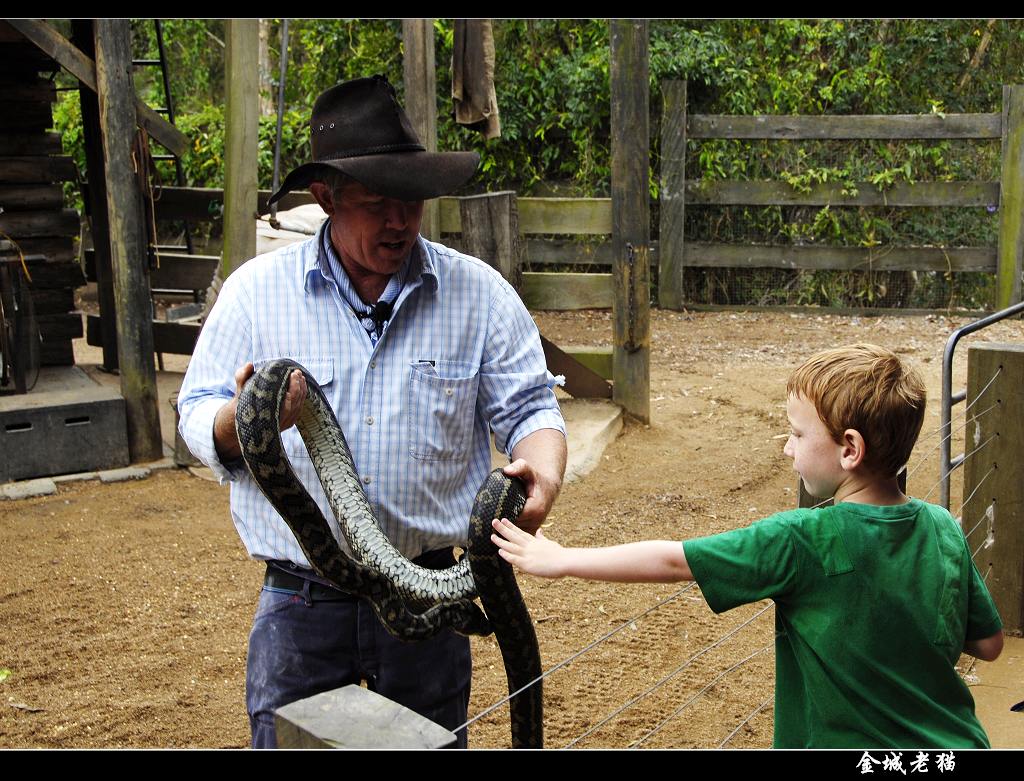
column 677, row 254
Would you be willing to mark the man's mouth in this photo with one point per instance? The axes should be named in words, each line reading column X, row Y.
column 393, row 245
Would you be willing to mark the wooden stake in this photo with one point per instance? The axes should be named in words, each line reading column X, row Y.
column 992, row 474
column 1011, row 200
column 240, row 143
column 673, row 195
column 127, row 238
column 630, row 144
column 418, row 71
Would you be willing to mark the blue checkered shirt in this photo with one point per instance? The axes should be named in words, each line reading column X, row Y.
column 460, row 357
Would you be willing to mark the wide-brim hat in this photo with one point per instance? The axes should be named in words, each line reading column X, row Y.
column 359, row 128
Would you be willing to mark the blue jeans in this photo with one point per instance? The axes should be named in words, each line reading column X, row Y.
column 299, row 647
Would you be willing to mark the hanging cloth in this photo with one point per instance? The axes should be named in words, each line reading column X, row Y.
column 476, row 104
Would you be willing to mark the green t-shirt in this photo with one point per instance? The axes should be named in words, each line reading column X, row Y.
column 873, row 606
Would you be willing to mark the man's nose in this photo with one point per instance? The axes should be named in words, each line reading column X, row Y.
column 397, row 215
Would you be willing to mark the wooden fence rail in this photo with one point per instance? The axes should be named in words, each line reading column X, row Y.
column 1006, row 260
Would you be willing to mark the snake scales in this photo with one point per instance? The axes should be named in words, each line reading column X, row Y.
column 411, row 601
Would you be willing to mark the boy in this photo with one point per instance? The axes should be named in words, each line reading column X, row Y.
column 875, row 597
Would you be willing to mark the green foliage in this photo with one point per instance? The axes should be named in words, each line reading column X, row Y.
column 552, row 79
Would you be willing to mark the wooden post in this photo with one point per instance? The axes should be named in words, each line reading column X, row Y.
column 1011, row 200
column 127, row 238
column 241, row 131
column 631, row 228
column 83, row 38
column 490, row 231
column 418, row 71
column 992, row 474
column 673, row 195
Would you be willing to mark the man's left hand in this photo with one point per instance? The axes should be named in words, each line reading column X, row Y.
column 539, row 461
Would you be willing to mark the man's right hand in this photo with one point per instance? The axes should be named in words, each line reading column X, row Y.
column 225, row 435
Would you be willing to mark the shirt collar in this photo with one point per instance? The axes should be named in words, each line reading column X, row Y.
column 317, row 265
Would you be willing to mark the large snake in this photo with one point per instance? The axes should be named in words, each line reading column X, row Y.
column 412, row 602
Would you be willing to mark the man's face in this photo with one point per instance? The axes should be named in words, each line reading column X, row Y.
column 816, row 456
column 373, row 234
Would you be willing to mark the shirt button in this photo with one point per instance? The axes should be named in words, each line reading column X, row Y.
column 373, row 364
column 448, row 391
column 367, row 479
column 369, row 420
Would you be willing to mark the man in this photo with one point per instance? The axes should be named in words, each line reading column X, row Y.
column 422, row 352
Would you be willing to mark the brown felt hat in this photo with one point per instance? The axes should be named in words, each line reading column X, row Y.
column 359, row 128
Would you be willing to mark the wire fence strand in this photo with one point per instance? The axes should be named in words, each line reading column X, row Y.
column 701, row 693
column 952, row 431
column 740, row 726
column 668, row 677
column 579, row 653
column 953, row 468
column 979, row 523
column 970, row 404
column 960, row 512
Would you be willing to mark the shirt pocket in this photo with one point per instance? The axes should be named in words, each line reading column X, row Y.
column 441, row 405
column 322, row 369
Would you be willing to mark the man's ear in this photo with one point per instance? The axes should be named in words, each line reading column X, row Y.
column 854, row 449
column 323, row 195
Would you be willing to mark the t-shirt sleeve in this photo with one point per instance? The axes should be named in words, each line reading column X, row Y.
column 982, row 617
column 743, row 565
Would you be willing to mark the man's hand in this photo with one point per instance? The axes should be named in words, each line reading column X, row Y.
column 538, row 459
column 541, row 493
column 536, row 555
column 225, row 436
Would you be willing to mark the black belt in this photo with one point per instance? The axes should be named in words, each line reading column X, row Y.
column 285, row 576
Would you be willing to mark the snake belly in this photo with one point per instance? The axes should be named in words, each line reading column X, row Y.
column 412, row 602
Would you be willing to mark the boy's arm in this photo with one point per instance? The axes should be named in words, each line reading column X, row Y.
column 652, row 561
column 987, row 649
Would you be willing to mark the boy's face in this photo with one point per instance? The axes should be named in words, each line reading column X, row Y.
column 816, row 456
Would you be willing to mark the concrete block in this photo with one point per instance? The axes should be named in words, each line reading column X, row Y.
column 28, row 488
column 354, row 717
column 125, row 473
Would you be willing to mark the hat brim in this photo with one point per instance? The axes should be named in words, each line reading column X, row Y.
column 407, row 176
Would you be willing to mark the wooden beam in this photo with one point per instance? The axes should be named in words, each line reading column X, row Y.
column 673, row 195
column 84, row 37
column 28, row 197
column 36, row 169
column 581, row 381
column 30, row 90
column 418, row 72
column 240, row 143
column 1011, row 204
column 176, row 271
column 831, row 126
column 570, row 216
column 994, row 517
column 630, row 147
column 202, row 204
column 706, row 255
column 63, row 222
column 173, row 338
column 710, row 192
column 84, row 69
column 48, row 273
column 35, row 144
column 490, row 231
column 565, row 291
column 127, row 234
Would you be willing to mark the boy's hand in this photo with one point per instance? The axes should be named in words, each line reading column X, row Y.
column 536, row 555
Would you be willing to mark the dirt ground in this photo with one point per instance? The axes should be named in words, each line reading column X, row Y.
column 125, row 608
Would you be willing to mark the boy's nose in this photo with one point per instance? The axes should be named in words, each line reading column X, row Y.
column 787, row 449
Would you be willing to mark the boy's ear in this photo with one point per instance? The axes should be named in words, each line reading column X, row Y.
column 854, row 449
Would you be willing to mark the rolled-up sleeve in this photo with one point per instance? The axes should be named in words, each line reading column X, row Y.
column 224, row 345
column 516, row 389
